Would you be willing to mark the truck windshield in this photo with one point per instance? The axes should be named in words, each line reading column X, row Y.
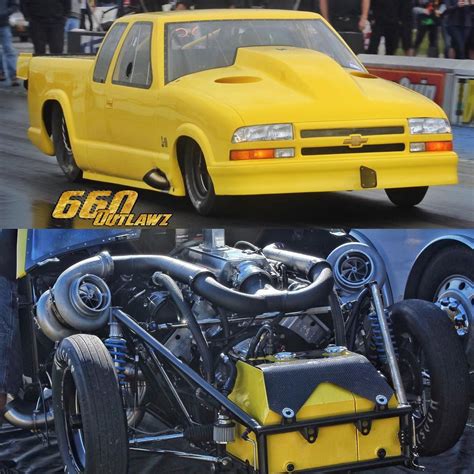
column 202, row 45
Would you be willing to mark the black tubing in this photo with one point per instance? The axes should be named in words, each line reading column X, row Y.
column 188, row 316
column 255, row 340
column 230, row 382
column 337, row 319
column 203, row 282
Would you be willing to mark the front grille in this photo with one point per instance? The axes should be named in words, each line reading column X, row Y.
column 345, row 132
column 339, row 150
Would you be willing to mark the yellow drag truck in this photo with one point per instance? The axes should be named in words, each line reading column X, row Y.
column 234, row 102
column 256, row 359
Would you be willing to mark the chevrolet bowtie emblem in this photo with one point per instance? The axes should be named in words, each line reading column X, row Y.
column 355, row 141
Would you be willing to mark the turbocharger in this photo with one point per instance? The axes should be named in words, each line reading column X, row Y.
column 80, row 300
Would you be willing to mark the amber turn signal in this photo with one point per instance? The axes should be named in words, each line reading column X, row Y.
column 252, row 154
column 439, row 146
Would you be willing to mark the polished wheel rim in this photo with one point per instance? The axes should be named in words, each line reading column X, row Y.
column 67, row 157
column 455, row 296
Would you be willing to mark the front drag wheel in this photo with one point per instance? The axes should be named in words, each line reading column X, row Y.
column 90, row 421
column 434, row 372
column 407, row 197
column 62, row 147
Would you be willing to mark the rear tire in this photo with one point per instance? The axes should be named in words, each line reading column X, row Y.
column 430, row 349
column 406, row 197
column 198, row 182
column 62, row 146
column 89, row 417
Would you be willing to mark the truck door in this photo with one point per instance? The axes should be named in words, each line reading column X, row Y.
column 131, row 101
column 98, row 133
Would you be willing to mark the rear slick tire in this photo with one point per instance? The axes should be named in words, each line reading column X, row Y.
column 62, row 147
column 431, row 357
column 407, row 197
column 89, row 418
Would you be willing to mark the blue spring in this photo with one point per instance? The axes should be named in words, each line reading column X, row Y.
column 117, row 347
column 377, row 337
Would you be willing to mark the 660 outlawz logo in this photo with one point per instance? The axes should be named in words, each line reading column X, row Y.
column 105, row 208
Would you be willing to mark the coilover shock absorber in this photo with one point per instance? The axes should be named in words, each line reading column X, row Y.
column 377, row 338
column 117, row 347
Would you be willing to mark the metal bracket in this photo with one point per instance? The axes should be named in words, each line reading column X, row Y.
column 310, row 434
column 364, row 426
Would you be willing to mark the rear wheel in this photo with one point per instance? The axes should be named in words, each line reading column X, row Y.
column 407, row 197
column 198, row 182
column 62, row 146
column 434, row 372
column 89, row 418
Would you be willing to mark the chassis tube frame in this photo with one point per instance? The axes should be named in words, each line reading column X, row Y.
column 261, row 432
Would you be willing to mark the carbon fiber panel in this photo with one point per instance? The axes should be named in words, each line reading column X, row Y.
column 289, row 384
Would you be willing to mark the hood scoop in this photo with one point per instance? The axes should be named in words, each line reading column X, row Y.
column 304, row 70
column 238, row 80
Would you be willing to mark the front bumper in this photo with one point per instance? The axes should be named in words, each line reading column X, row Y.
column 332, row 173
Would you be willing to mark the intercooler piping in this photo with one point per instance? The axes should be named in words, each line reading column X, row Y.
column 204, row 283
column 309, row 266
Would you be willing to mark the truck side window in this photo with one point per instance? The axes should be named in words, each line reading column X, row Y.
column 107, row 52
column 133, row 66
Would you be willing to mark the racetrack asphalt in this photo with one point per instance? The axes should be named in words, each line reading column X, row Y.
column 31, row 183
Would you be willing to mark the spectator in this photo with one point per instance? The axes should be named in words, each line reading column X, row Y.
column 2, row 72
column 459, row 25
column 8, row 53
column 182, row 5
column 10, row 355
column 47, row 19
column 74, row 19
column 405, row 17
column 427, row 22
column 385, row 23
column 346, row 15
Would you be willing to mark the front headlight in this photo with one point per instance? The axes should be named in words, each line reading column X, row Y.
column 261, row 133
column 428, row 126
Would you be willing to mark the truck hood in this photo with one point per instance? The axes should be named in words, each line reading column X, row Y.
column 283, row 84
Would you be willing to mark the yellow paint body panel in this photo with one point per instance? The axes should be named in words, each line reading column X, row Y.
column 21, row 240
column 116, row 131
column 334, row 445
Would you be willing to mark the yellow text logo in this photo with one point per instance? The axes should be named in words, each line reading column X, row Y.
column 105, row 208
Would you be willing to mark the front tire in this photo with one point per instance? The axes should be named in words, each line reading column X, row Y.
column 198, row 182
column 62, row 147
column 406, row 197
column 89, row 418
column 435, row 373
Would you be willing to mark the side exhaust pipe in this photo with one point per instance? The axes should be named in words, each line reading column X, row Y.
column 23, row 415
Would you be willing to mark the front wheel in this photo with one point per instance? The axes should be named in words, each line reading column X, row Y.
column 90, row 421
column 62, row 147
column 406, row 197
column 198, row 182
column 434, row 372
